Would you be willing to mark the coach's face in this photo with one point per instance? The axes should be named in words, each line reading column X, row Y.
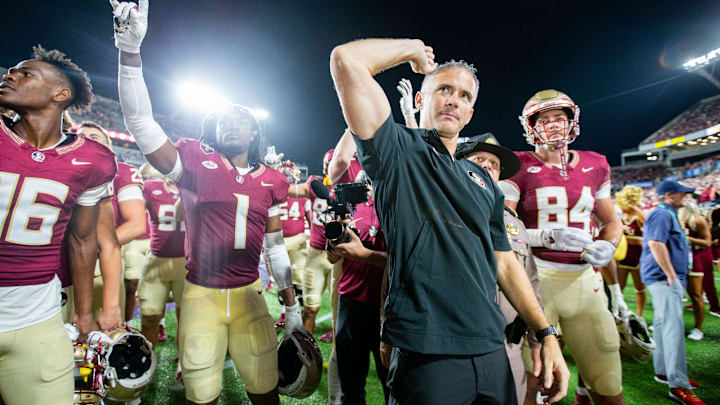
column 447, row 104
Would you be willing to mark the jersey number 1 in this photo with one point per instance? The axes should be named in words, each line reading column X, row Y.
column 241, row 213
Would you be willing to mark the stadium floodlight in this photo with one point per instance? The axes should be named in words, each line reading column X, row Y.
column 200, row 96
column 697, row 65
column 259, row 114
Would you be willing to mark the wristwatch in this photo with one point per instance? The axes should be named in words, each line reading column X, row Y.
column 541, row 334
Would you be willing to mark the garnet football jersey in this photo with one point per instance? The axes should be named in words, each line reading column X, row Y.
column 38, row 191
column 547, row 200
column 632, row 230
column 317, row 228
column 354, row 172
column 225, row 215
column 167, row 236
column 127, row 176
column 292, row 214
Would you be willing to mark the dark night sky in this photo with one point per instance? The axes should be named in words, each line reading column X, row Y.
column 274, row 55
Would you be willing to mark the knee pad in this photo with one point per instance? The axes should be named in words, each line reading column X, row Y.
column 607, row 384
column 606, row 334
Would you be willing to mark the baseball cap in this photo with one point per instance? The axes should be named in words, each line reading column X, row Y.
column 671, row 186
column 509, row 162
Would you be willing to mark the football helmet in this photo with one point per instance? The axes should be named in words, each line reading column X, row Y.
column 636, row 344
column 90, row 366
column 290, row 170
column 550, row 100
column 300, row 365
column 147, row 171
column 131, row 364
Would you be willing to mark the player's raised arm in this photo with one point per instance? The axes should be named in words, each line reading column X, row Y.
column 131, row 21
column 353, row 65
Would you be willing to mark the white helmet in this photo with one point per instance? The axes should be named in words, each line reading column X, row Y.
column 300, row 365
column 546, row 100
column 90, row 366
column 636, row 345
column 131, row 364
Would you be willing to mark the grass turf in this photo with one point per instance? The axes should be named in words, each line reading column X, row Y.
column 639, row 386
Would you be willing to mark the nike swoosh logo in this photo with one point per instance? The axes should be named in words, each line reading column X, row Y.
column 587, row 169
column 262, row 183
column 77, row 162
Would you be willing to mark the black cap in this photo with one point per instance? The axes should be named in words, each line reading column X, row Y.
column 509, row 162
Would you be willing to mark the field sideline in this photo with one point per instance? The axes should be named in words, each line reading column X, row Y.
column 640, row 388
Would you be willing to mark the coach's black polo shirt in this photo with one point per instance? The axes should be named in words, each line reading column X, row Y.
column 443, row 217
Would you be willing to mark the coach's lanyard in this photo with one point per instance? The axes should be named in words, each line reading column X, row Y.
column 687, row 239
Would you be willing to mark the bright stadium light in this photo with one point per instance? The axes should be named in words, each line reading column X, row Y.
column 202, row 97
column 701, row 61
column 259, row 114
column 697, row 66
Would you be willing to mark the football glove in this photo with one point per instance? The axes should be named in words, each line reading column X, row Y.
column 273, row 159
column 617, row 302
column 599, row 253
column 406, row 101
column 293, row 320
column 564, row 239
column 131, row 21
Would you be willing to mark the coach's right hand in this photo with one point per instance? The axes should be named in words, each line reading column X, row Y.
column 555, row 374
column 423, row 61
column 131, row 21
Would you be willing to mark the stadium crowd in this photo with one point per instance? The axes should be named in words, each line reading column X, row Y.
column 702, row 115
column 459, row 286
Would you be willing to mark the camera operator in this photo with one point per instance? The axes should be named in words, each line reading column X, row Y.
column 357, row 328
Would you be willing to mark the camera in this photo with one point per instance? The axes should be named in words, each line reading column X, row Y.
column 347, row 196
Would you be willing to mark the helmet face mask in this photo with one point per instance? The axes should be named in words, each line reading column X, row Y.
column 290, row 170
column 544, row 103
column 131, row 363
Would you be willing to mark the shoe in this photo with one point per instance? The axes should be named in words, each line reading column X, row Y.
column 327, row 338
column 695, row 334
column 280, row 323
column 715, row 313
column 162, row 333
column 685, row 396
column 662, row 379
column 582, row 399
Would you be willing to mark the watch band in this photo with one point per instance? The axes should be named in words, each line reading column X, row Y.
column 541, row 334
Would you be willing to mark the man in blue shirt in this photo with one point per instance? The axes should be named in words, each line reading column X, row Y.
column 664, row 267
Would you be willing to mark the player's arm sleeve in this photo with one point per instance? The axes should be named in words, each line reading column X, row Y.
column 510, row 190
column 130, row 192
column 381, row 153
column 92, row 196
column 277, row 260
column 137, row 110
column 100, row 183
column 658, row 226
column 603, row 181
column 498, row 234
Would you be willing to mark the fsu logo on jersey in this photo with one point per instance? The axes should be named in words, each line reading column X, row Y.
column 477, row 179
column 207, row 149
column 534, row 169
column 38, row 156
column 157, row 192
column 210, row 164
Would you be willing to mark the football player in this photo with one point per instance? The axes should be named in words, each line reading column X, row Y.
column 293, row 213
column 231, row 210
column 629, row 199
column 558, row 193
column 164, row 270
column 50, row 183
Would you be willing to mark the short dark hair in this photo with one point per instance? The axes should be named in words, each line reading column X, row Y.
column 81, row 90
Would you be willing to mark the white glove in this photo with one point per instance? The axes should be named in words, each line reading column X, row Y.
column 617, row 305
column 131, row 21
column 566, row 239
column 72, row 331
column 273, row 159
column 599, row 253
column 293, row 320
column 406, row 101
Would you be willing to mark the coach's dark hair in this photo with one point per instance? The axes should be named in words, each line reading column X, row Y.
column 81, row 94
column 209, row 135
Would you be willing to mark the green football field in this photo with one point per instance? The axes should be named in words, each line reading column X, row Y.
column 640, row 388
